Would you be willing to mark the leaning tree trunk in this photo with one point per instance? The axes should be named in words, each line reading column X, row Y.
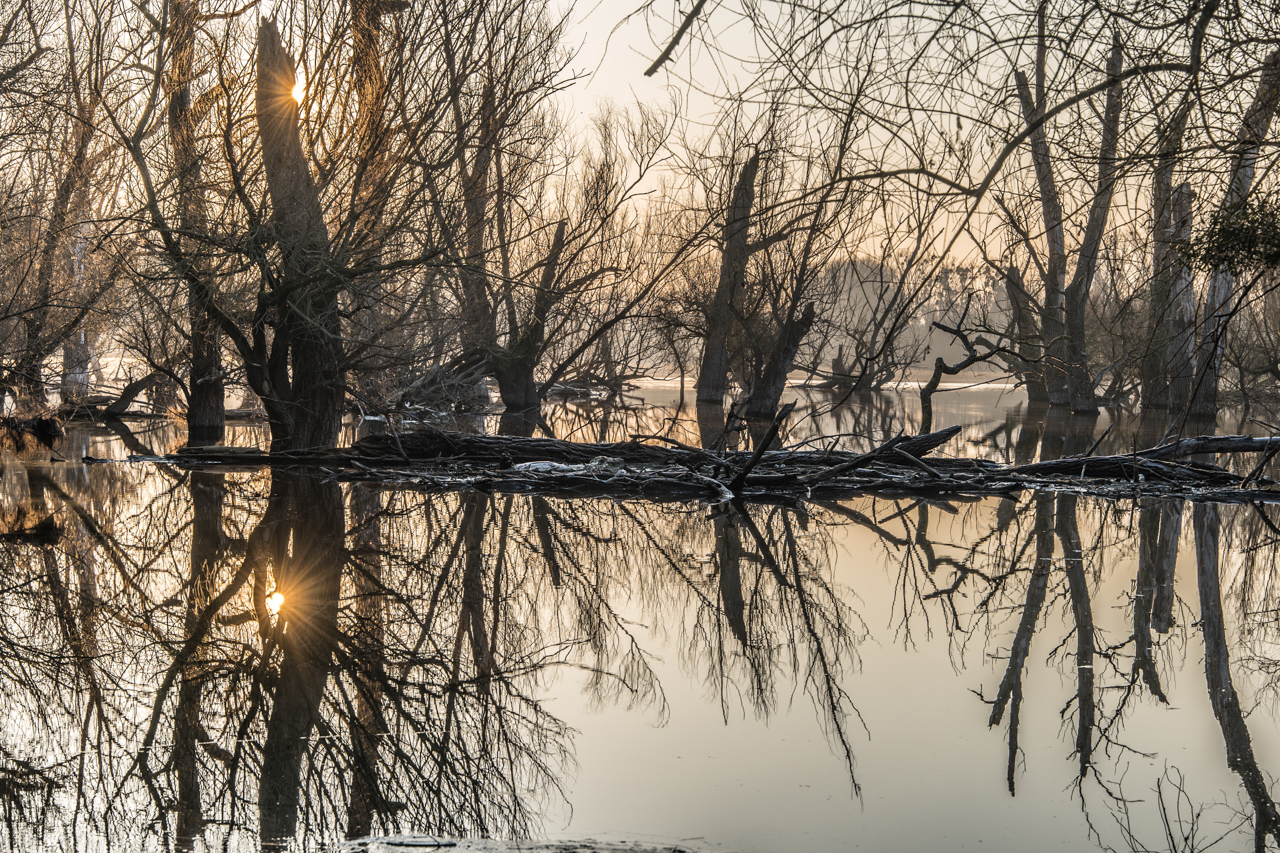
column 1220, row 300
column 714, row 371
column 309, row 412
column 206, row 392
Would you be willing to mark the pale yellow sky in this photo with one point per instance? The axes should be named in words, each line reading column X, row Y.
column 614, row 47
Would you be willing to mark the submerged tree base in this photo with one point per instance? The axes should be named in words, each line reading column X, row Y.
column 434, row 460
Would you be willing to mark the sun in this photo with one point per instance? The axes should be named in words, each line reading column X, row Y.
column 299, row 90
column 274, row 602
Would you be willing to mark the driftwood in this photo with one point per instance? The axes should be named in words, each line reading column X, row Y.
column 434, row 460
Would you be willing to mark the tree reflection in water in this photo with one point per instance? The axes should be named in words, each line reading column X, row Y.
column 204, row 656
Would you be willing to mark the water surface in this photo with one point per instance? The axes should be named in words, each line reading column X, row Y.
column 242, row 660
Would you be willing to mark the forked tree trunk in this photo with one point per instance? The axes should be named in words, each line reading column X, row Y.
column 514, row 364
column 714, row 372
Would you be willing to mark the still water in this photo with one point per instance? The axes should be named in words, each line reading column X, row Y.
column 239, row 660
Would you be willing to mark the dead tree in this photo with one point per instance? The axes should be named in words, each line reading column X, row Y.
column 713, row 373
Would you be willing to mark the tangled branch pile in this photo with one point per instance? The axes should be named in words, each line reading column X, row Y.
column 442, row 461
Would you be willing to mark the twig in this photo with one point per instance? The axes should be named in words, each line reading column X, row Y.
column 735, row 485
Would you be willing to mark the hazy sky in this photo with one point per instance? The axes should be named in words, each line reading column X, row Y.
column 613, row 53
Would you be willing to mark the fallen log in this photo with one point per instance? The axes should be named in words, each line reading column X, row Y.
column 436, row 461
column 1185, row 447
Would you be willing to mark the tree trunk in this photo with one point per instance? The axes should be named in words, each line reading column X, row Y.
column 1053, row 321
column 1078, row 437
column 368, row 638
column 77, row 355
column 1179, row 355
column 28, row 371
column 1220, row 300
column 206, row 392
column 310, row 412
column 1156, row 373
column 1217, row 669
column 372, row 192
column 729, row 562
column 769, row 388
column 711, row 424
column 1027, row 332
column 513, row 365
column 1077, row 294
column 713, row 373
column 479, row 325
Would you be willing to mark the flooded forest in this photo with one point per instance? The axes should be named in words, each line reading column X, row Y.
column 746, row 426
